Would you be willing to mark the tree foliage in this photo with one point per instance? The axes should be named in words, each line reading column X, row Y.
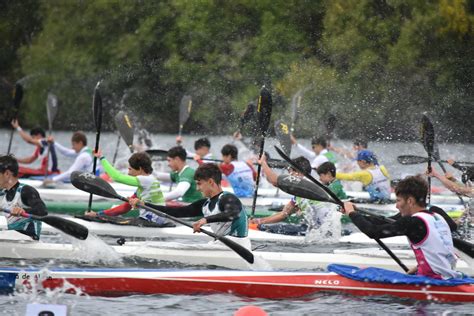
column 375, row 64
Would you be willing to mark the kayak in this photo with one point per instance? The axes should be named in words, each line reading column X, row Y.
column 256, row 284
column 12, row 245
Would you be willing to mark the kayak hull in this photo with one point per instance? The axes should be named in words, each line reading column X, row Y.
column 268, row 285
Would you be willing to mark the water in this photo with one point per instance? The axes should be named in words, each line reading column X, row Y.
column 221, row 303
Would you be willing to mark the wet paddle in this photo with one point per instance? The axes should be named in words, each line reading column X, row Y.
column 184, row 111
column 331, row 123
column 295, row 104
column 51, row 111
column 68, row 227
column 282, row 132
column 97, row 115
column 428, row 140
column 125, row 127
column 90, row 183
column 16, row 100
column 264, row 112
column 331, row 197
column 414, row 160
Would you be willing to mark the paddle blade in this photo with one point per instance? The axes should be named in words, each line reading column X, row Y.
column 411, row 160
column 92, row 184
column 184, row 110
column 264, row 110
column 464, row 246
column 303, row 188
column 331, row 123
column 241, row 251
column 71, row 228
column 282, row 132
column 427, row 135
column 157, row 154
column 97, row 107
column 125, row 128
column 295, row 104
column 17, row 96
column 51, row 108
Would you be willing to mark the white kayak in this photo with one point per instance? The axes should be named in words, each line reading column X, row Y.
column 213, row 254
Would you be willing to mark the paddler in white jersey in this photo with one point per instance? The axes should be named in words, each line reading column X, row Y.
column 19, row 199
column 202, row 149
column 428, row 231
column 319, row 155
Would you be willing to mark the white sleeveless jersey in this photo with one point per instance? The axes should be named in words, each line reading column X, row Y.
column 379, row 188
column 435, row 254
column 16, row 201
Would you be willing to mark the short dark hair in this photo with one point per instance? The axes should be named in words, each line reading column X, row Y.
column 231, row 150
column 327, row 167
column 413, row 186
column 208, row 171
column 202, row 142
column 302, row 163
column 79, row 137
column 361, row 142
column 37, row 131
column 9, row 162
column 319, row 141
column 141, row 160
column 177, row 151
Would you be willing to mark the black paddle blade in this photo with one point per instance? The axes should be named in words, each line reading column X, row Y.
column 97, row 107
column 17, row 95
column 282, row 132
column 464, row 246
column 331, row 123
column 264, row 110
column 51, row 108
column 184, row 110
column 125, row 128
column 157, row 154
column 241, row 251
column 92, row 184
column 303, row 188
column 71, row 228
column 411, row 160
column 427, row 135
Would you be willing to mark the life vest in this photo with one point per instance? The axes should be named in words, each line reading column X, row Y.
column 150, row 191
column 237, row 228
column 435, row 254
column 241, row 179
column 379, row 188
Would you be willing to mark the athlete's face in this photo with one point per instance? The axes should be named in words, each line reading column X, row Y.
column 205, row 186
column 77, row 146
column 5, row 179
column 404, row 205
column 317, row 148
column 202, row 151
column 134, row 172
column 363, row 164
column 227, row 158
column 173, row 163
column 326, row 178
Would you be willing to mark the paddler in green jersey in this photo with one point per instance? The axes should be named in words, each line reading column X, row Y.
column 312, row 214
column 148, row 189
column 327, row 176
column 182, row 174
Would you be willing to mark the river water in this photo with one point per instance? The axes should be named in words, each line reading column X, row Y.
column 224, row 304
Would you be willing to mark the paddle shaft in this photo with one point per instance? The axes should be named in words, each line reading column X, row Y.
column 94, row 165
column 257, row 181
column 414, row 160
column 338, row 201
column 116, row 149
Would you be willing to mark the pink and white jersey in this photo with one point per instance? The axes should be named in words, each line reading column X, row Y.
column 435, row 253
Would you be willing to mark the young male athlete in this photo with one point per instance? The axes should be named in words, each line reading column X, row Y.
column 19, row 199
column 202, row 149
column 222, row 210
column 36, row 137
column 312, row 214
column 140, row 175
column 181, row 174
column 375, row 178
column 80, row 152
column 428, row 232
column 320, row 153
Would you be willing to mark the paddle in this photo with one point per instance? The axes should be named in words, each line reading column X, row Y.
column 428, row 140
column 97, row 116
column 331, row 123
column 71, row 228
column 414, row 160
column 295, row 104
column 331, row 197
column 282, row 133
column 264, row 112
column 90, row 183
column 184, row 112
column 125, row 128
column 51, row 111
column 161, row 155
column 16, row 100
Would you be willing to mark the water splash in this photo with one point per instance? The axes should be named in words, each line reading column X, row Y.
column 326, row 230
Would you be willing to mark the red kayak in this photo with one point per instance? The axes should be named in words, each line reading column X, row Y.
column 270, row 285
